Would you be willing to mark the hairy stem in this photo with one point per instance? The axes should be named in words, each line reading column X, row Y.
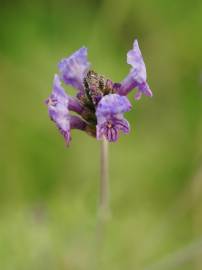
column 104, row 180
column 103, row 208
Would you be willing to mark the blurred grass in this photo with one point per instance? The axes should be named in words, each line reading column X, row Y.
column 49, row 193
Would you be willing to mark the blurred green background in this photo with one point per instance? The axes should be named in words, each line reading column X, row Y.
column 48, row 193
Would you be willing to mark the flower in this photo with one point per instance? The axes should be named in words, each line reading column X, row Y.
column 137, row 76
column 74, row 68
column 110, row 117
column 58, row 110
column 99, row 103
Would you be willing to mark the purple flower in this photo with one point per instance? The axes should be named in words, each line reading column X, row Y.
column 137, row 76
column 99, row 103
column 110, row 118
column 58, row 109
column 74, row 68
column 58, row 103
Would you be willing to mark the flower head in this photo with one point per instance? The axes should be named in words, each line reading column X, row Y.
column 100, row 104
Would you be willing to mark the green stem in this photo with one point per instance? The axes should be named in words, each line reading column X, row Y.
column 104, row 180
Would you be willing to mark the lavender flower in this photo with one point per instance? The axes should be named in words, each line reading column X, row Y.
column 74, row 68
column 58, row 104
column 110, row 116
column 99, row 103
column 137, row 76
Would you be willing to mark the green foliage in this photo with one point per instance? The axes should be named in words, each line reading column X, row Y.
column 49, row 193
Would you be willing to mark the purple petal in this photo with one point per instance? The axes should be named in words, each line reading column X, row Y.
column 74, row 68
column 110, row 118
column 135, row 59
column 137, row 76
column 58, row 109
column 112, row 104
column 122, row 124
column 58, row 91
column 75, row 105
column 110, row 127
column 138, row 95
column 145, row 89
column 77, row 123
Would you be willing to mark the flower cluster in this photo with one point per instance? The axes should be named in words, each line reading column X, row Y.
column 99, row 103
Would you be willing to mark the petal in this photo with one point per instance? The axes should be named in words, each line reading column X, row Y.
column 58, row 91
column 114, row 135
column 110, row 118
column 74, row 68
column 112, row 104
column 122, row 124
column 58, row 109
column 145, row 89
column 75, row 105
column 110, row 128
column 135, row 59
column 127, row 85
column 77, row 123
column 137, row 76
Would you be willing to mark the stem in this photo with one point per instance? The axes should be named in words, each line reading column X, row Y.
column 104, row 180
column 103, row 210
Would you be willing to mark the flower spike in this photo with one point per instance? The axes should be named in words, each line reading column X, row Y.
column 99, row 103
